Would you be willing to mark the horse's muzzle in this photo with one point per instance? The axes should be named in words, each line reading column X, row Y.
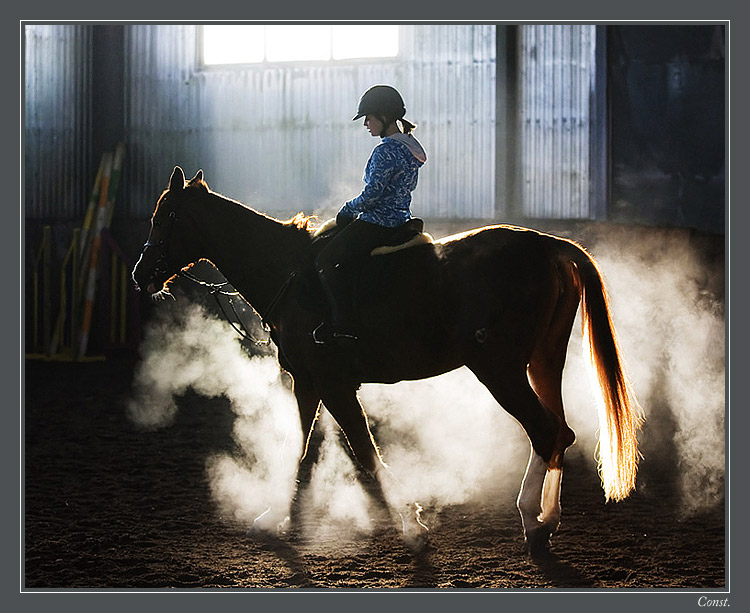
column 148, row 286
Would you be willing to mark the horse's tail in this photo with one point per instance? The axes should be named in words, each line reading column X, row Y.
column 620, row 416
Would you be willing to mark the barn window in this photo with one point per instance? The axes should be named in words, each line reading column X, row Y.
column 253, row 44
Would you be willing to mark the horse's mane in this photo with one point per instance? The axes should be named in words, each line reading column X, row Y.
column 301, row 222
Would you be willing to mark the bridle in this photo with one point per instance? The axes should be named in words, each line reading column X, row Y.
column 161, row 264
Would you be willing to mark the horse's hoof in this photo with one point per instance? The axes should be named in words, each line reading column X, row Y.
column 285, row 526
column 256, row 532
column 416, row 533
column 537, row 542
column 417, row 543
column 266, row 525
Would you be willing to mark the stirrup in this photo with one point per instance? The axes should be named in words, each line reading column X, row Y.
column 314, row 335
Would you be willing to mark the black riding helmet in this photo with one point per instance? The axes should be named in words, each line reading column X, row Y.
column 382, row 101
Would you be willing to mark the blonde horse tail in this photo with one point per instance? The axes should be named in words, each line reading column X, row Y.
column 620, row 416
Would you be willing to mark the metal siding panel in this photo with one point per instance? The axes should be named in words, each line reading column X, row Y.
column 160, row 115
column 57, row 120
column 280, row 137
column 557, row 84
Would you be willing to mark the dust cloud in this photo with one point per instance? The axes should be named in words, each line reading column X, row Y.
column 669, row 311
column 445, row 439
column 187, row 348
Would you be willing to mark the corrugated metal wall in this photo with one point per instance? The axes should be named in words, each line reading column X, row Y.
column 557, row 71
column 163, row 124
column 280, row 137
column 57, row 115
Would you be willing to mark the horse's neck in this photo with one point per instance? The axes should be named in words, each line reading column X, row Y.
column 255, row 253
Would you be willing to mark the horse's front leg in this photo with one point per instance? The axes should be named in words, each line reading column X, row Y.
column 308, row 404
column 341, row 401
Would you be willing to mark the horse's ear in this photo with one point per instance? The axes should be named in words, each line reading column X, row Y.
column 198, row 178
column 177, row 182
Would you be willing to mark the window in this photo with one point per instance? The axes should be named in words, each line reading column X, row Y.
column 252, row 44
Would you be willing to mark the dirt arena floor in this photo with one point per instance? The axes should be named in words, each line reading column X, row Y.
column 109, row 506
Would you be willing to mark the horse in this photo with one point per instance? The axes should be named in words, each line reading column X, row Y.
column 500, row 300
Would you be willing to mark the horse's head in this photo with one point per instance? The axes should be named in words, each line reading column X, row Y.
column 169, row 247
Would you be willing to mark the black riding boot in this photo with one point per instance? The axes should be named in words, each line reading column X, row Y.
column 338, row 293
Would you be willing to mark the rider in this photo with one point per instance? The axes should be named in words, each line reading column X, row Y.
column 370, row 219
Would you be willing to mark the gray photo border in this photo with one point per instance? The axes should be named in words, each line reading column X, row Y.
column 422, row 11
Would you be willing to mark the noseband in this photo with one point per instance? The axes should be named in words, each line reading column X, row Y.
column 161, row 265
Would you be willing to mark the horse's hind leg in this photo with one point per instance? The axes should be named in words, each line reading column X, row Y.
column 547, row 361
column 511, row 388
column 545, row 373
column 537, row 528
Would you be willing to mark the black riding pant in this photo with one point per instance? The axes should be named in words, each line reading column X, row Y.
column 340, row 258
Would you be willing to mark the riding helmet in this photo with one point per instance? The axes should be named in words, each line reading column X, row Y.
column 381, row 100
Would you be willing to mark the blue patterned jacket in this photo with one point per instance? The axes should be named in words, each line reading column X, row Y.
column 390, row 177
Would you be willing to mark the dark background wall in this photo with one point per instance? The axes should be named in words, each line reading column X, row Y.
column 108, row 88
column 667, row 122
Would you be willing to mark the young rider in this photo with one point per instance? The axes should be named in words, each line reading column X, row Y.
column 370, row 219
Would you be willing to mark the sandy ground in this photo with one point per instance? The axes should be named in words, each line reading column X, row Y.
column 109, row 506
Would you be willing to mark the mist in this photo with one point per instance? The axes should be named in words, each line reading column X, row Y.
column 445, row 439
column 669, row 312
column 184, row 348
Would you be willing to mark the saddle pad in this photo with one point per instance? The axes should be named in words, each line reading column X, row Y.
column 419, row 239
column 422, row 238
column 327, row 225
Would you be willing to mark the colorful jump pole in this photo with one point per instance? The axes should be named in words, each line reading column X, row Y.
column 110, row 181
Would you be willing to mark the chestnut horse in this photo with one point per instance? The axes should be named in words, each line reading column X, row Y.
column 500, row 300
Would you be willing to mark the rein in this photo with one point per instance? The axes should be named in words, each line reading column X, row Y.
column 216, row 289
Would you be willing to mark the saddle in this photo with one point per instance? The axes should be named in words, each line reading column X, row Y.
column 408, row 235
